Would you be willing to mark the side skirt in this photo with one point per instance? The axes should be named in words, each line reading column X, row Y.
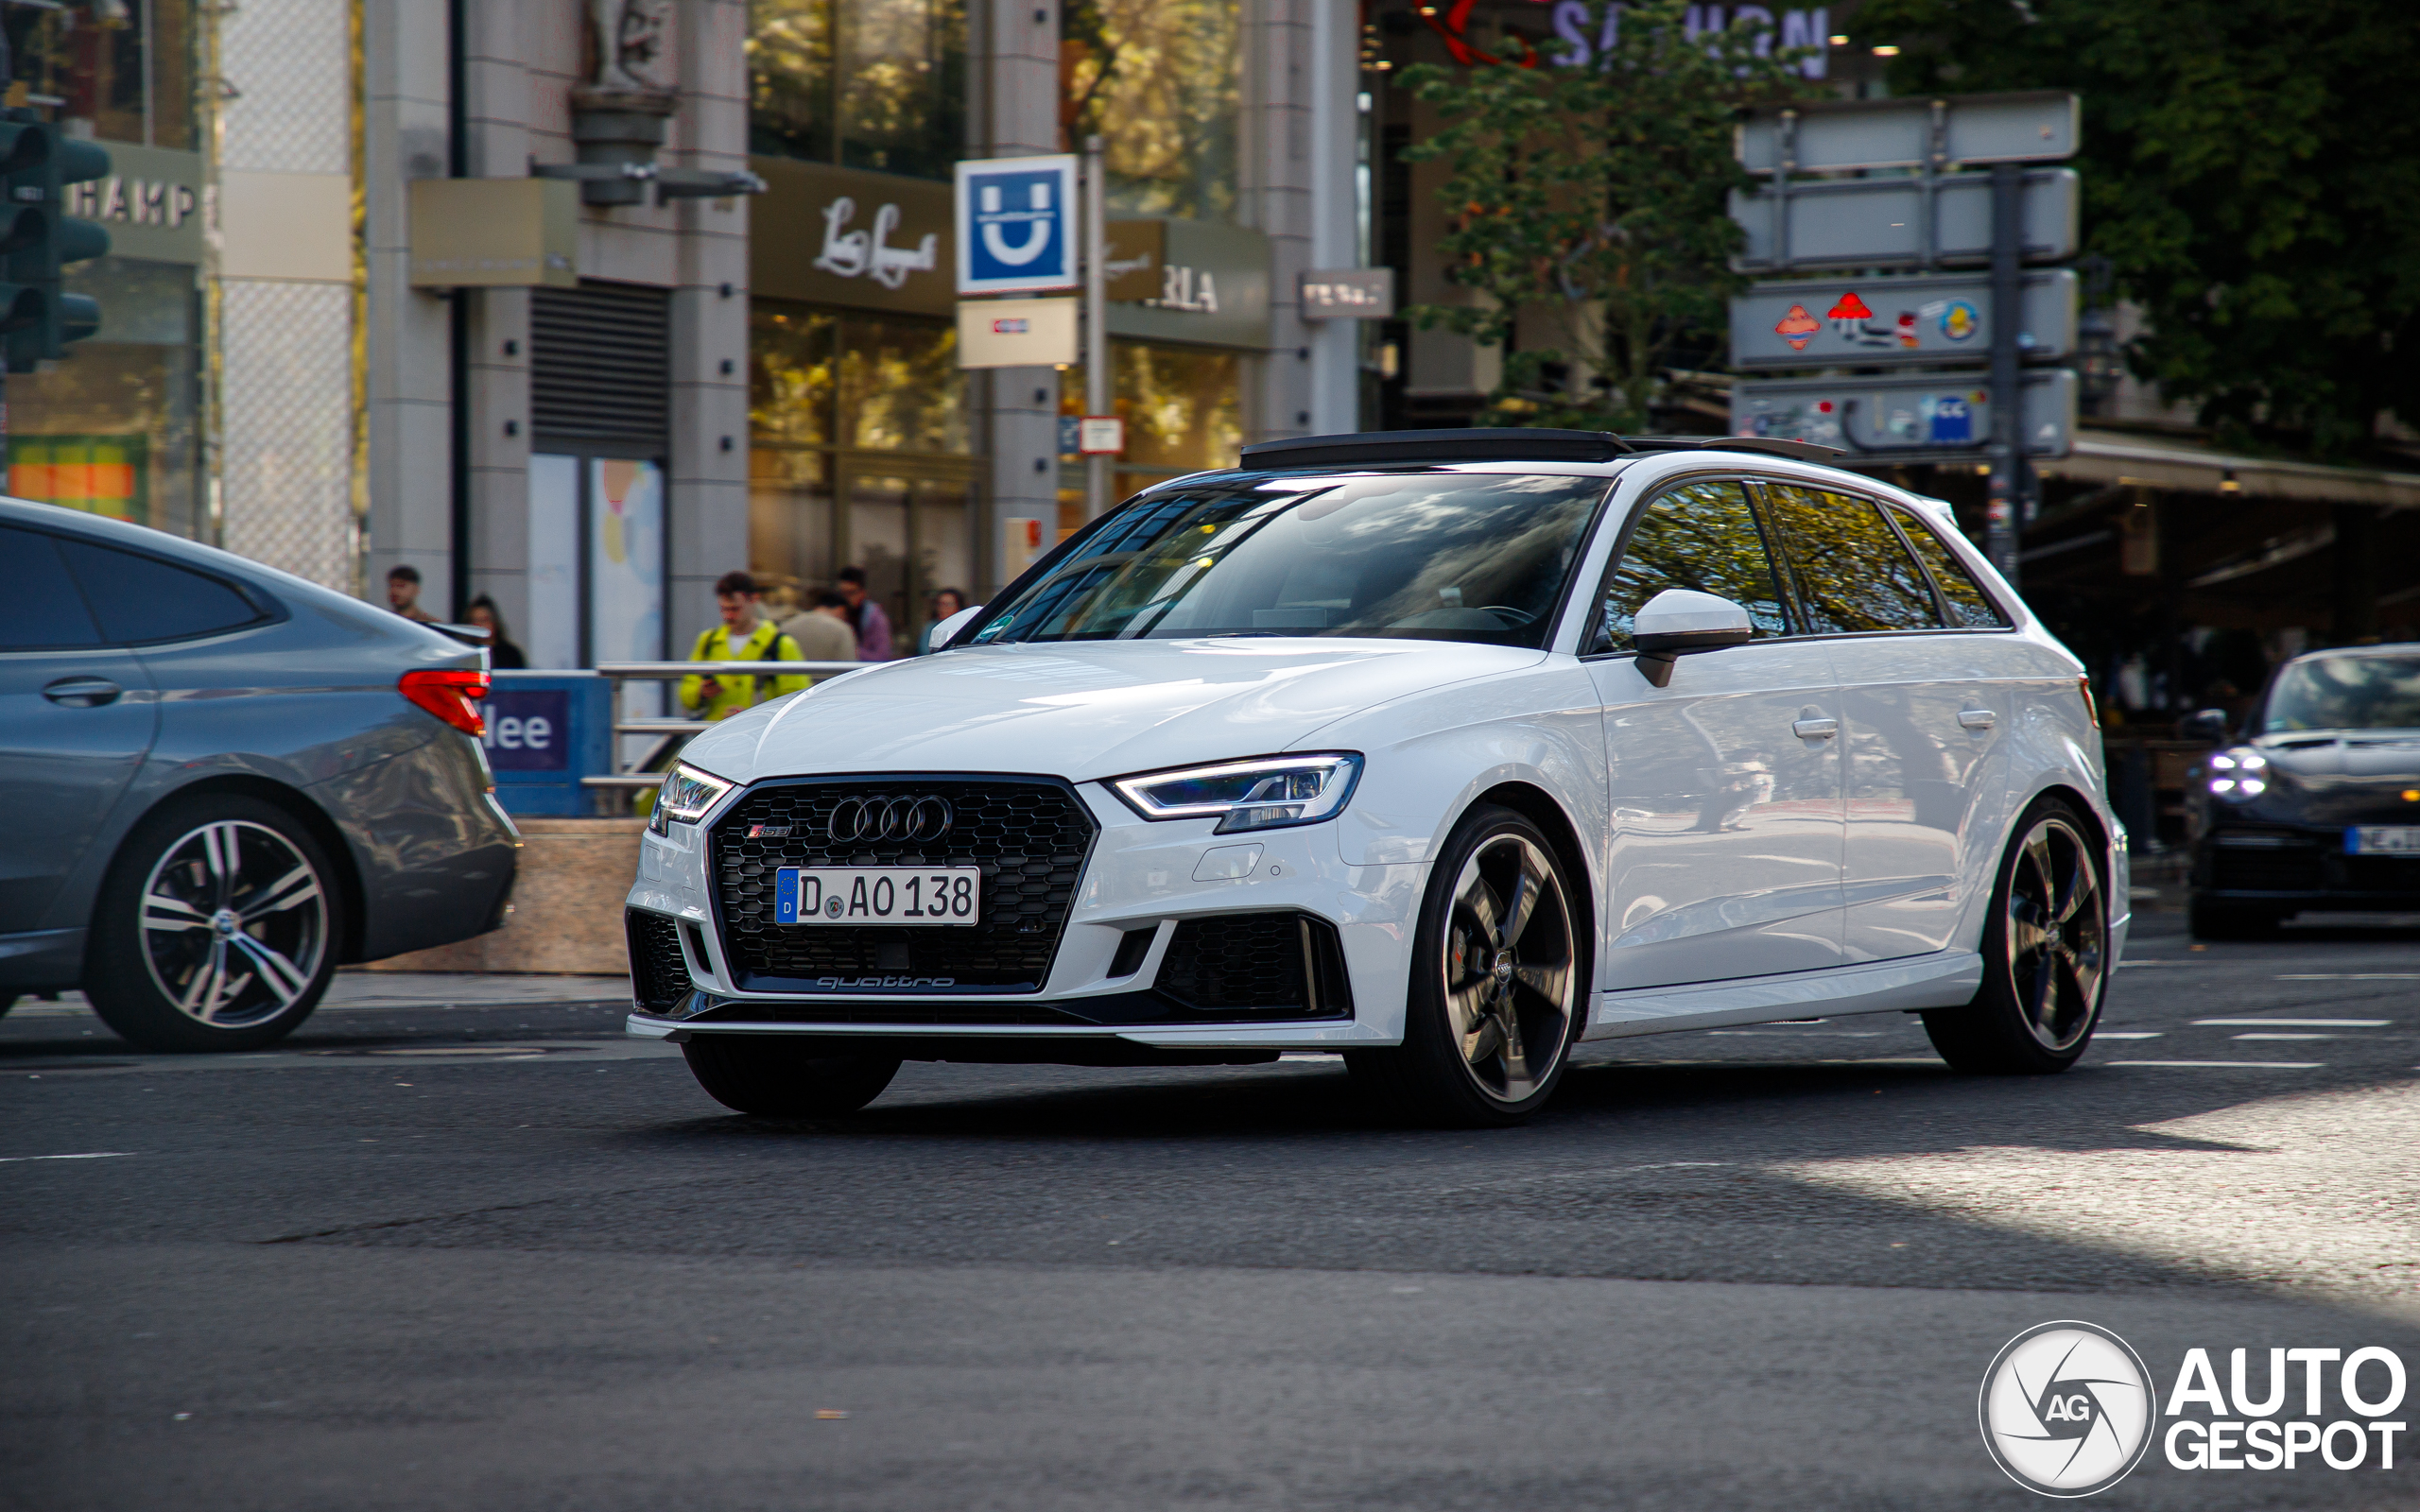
column 1945, row 980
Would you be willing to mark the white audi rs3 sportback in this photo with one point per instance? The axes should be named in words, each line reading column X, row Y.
column 1446, row 751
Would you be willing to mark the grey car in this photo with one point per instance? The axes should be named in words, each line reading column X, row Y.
column 225, row 781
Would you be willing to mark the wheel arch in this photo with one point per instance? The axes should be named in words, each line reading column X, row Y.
column 1539, row 807
column 298, row 806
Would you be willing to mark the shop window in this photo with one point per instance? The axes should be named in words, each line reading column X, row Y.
column 1183, row 413
column 124, row 68
column 1160, row 81
column 111, row 430
column 877, row 84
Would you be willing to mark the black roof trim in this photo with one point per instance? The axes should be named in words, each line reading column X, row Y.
column 1768, row 445
column 1508, row 443
column 1500, row 444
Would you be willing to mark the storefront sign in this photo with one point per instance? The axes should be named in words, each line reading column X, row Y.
column 150, row 203
column 843, row 236
column 1017, row 225
column 1016, row 332
column 494, row 233
column 1349, row 294
column 1137, row 250
column 1213, row 288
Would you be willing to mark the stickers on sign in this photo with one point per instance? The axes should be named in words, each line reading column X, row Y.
column 1959, row 320
column 1797, row 327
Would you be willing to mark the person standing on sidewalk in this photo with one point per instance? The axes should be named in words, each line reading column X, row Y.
column 403, row 593
column 873, row 627
column 823, row 630
column 742, row 637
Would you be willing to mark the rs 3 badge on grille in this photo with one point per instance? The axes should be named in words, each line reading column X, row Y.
column 878, row 895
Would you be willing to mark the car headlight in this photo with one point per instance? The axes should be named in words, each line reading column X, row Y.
column 1268, row 794
column 2238, row 775
column 685, row 797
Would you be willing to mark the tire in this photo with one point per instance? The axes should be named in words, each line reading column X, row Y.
column 1498, row 983
column 2043, row 985
column 772, row 1077
column 215, row 929
column 2217, row 920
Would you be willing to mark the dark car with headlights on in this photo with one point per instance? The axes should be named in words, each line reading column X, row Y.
column 226, row 781
column 2317, row 805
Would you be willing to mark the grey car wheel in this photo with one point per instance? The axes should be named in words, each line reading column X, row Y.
column 2046, row 955
column 1496, row 985
column 216, row 930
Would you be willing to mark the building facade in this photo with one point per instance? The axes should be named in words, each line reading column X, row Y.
column 577, row 304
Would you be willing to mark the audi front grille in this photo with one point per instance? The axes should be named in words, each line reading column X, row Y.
column 1028, row 836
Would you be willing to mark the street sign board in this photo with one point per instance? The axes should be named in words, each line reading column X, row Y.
column 1016, row 332
column 1884, row 222
column 1925, row 417
column 1017, row 225
column 1349, row 294
column 1889, row 323
column 2034, row 125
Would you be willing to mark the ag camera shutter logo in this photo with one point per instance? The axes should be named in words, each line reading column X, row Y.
column 1017, row 225
column 2067, row 1409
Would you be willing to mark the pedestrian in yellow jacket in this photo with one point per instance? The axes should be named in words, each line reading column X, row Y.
column 743, row 637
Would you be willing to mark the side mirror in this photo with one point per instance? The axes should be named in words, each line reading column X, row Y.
column 950, row 627
column 2210, row 725
column 1680, row 620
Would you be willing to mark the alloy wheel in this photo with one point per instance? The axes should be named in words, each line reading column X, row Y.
column 234, row 923
column 2058, row 934
column 1510, row 967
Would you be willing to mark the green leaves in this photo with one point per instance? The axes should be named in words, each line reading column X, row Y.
column 1587, row 205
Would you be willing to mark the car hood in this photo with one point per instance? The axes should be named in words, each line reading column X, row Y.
column 2339, row 777
column 1085, row 710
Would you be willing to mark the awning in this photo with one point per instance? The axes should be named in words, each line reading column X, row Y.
column 2104, row 458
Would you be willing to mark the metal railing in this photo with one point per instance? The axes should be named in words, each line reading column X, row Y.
column 670, row 734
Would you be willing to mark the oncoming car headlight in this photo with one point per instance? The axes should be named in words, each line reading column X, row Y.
column 1267, row 794
column 2238, row 774
column 685, row 796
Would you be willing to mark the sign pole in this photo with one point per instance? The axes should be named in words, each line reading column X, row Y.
column 1096, row 320
column 2009, row 490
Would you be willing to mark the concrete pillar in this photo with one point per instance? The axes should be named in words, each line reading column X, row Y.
column 1335, row 133
column 1279, row 75
column 708, row 484
column 405, row 339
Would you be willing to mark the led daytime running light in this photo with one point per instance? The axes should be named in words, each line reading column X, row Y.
column 1269, row 793
column 685, row 797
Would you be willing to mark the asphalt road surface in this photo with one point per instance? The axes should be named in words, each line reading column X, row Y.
column 494, row 1255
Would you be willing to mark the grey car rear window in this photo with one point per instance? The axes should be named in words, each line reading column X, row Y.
column 40, row 610
column 143, row 599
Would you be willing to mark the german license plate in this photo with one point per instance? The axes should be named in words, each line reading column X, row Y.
column 2382, row 840
column 878, row 895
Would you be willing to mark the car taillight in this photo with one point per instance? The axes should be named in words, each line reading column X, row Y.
column 2083, row 686
column 452, row 693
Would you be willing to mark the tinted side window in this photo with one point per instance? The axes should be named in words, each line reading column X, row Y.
column 40, row 610
column 1970, row 608
column 1853, row 574
column 142, row 598
column 1700, row 535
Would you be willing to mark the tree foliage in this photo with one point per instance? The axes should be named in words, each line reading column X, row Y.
column 1586, row 199
column 2252, row 170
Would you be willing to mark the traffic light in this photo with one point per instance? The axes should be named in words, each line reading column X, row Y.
column 38, row 317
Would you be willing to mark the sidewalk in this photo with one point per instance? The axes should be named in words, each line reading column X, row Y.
column 355, row 989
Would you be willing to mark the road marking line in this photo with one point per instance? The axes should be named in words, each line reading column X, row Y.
column 89, row 1155
column 2292, row 1023
column 2130, row 1034
column 2351, row 976
column 2239, row 1065
column 2284, row 1037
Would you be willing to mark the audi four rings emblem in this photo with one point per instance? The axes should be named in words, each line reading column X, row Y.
column 858, row 819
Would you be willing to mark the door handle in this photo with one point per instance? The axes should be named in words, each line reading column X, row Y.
column 1975, row 718
column 1815, row 728
column 83, row 693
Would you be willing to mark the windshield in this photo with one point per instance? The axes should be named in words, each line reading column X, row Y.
column 2345, row 693
column 1435, row 556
